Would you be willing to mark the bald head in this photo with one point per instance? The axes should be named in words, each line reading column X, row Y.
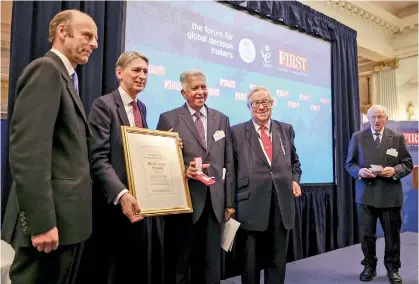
column 377, row 108
column 377, row 117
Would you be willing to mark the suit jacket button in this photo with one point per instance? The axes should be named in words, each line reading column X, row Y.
column 22, row 214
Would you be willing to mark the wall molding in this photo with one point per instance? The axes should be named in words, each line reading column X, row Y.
column 381, row 35
column 380, row 66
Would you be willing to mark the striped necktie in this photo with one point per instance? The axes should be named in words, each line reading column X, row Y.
column 377, row 140
column 137, row 114
column 200, row 127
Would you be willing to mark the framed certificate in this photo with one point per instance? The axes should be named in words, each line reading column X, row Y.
column 155, row 171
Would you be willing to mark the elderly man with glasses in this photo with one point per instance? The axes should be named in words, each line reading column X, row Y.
column 268, row 174
column 378, row 159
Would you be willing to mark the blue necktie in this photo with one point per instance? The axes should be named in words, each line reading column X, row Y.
column 75, row 81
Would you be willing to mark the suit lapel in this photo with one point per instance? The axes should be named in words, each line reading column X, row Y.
column 187, row 118
column 385, row 144
column 276, row 141
column 212, row 124
column 121, row 109
column 143, row 113
column 70, row 85
column 76, row 97
column 252, row 137
column 369, row 141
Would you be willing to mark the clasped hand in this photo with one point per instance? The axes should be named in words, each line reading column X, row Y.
column 46, row 242
column 386, row 172
column 131, row 208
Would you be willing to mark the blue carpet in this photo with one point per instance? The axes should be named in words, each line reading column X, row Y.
column 344, row 265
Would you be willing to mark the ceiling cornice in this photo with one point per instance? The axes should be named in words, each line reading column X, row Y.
column 377, row 15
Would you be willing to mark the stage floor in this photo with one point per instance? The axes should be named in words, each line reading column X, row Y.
column 344, row 265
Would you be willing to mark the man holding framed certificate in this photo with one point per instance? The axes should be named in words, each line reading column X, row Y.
column 195, row 239
column 121, row 241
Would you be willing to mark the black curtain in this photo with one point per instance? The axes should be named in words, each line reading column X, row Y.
column 325, row 218
column 314, row 231
column 29, row 40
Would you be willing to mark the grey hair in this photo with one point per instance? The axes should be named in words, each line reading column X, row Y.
column 255, row 90
column 186, row 74
column 127, row 57
column 379, row 108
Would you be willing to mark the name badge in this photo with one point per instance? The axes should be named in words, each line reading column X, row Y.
column 392, row 152
column 218, row 135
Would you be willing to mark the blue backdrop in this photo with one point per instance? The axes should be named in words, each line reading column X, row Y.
column 299, row 78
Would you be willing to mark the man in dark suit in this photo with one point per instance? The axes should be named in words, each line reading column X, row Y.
column 49, row 212
column 118, row 223
column 268, row 173
column 195, row 239
column 379, row 192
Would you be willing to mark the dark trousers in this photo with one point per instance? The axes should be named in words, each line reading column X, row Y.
column 57, row 267
column 135, row 251
column 391, row 222
column 119, row 251
column 193, row 251
column 265, row 250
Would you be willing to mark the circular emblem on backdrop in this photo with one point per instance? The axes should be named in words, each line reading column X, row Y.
column 247, row 50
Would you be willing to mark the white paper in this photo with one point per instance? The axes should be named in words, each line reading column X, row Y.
column 224, row 173
column 228, row 233
column 376, row 169
column 198, row 164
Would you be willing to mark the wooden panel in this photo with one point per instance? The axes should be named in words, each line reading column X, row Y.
column 6, row 21
column 364, row 93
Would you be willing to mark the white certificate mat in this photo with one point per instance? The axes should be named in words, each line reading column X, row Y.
column 155, row 170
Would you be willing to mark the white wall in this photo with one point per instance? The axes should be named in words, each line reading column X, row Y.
column 407, row 85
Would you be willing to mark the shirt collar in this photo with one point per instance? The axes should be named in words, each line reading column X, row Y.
column 267, row 125
column 64, row 59
column 203, row 110
column 381, row 132
column 126, row 99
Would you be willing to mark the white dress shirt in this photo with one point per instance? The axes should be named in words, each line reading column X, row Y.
column 381, row 133
column 64, row 59
column 381, row 138
column 203, row 117
column 129, row 109
column 268, row 132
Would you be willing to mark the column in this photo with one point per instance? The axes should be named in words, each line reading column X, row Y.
column 385, row 88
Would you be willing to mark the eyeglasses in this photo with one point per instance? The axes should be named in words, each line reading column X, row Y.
column 380, row 117
column 263, row 103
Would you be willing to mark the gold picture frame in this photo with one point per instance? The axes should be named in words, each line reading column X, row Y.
column 156, row 171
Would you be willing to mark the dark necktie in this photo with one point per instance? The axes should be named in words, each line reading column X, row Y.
column 266, row 142
column 377, row 139
column 137, row 114
column 200, row 127
column 75, row 79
